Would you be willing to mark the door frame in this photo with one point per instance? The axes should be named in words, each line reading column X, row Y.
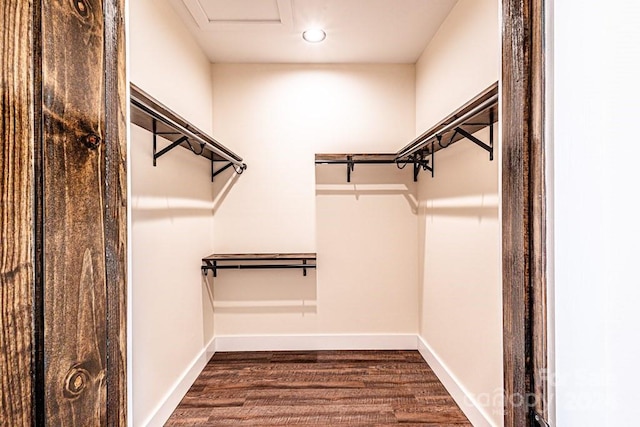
column 523, row 219
column 524, row 212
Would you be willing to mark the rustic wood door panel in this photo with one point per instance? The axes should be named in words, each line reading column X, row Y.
column 17, row 214
column 63, row 230
column 75, row 284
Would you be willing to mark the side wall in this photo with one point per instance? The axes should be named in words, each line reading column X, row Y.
column 172, row 317
column 278, row 117
column 461, row 311
column 595, row 218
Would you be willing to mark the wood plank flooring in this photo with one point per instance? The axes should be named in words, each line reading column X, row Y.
column 321, row 388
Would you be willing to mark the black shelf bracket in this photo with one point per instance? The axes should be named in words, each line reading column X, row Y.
column 478, row 142
column 157, row 154
column 350, row 167
column 239, row 169
column 258, row 262
column 150, row 114
column 475, row 115
column 422, row 162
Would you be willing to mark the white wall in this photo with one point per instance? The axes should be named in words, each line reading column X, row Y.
column 460, row 279
column 461, row 60
column 278, row 117
column 172, row 320
column 595, row 219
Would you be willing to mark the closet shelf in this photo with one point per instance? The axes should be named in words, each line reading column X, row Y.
column 372, row 159
column 150, row 114
column 477, row 114
column 217, row 262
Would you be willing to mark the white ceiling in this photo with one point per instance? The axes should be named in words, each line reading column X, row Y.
column 270, row 31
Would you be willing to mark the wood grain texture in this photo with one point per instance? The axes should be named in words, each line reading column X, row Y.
column 57, row 181
column 17, row 216
column 523, row 208
column 318, row 388
column 515, row 214
column 537, row 198
column 74, row 179
column 116, row 211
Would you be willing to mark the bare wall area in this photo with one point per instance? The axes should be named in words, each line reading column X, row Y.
column 459, row 247
column 278, row 117
column 172, row 224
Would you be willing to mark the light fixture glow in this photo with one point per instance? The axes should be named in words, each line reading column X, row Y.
column 315, row 35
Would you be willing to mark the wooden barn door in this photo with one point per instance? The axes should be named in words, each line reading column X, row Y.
column 63, row 213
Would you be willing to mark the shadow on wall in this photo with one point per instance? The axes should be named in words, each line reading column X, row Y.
column 367, row 180
column 483, row 206
column 178, row 186
column 207, row 310
column 222, row 185
column 263, row 291
column 366, row 241
column 465, row 184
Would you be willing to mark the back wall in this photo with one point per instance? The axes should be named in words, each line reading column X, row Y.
column 278, row 117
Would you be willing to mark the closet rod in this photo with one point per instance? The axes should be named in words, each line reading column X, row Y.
column 422, row 140
column 225, row 154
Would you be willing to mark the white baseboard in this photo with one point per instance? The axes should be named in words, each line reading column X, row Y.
column 463, row 398
column 316, row 342
column 469, row 406
column 170, row 401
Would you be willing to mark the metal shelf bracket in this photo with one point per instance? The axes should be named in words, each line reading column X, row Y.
column 150, row 114
column 261, row 261
column 422, row 162
column 478, row 142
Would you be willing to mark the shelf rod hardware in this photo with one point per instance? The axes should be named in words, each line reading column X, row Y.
column 156, row 155
column 364, row 162
column 423, row 139
column 479, row 143
column 491, row 133
column 214, row 172
column 350, row 161
column 154, row 126
column 214, row 267
column 227, row 155
column 350, row 167
column 423, row 163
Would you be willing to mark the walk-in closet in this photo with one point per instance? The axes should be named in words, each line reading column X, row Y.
column 340, row 195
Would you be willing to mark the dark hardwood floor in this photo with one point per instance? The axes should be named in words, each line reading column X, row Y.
column 322, row 388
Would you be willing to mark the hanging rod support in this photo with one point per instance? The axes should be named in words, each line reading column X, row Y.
column 302, row 262
column 156, row 155
column 219, row 171
column 154, row 131
column 426, row 164
column 350, row 167
column 479, row 143
column 423, row 139
column 148, row 113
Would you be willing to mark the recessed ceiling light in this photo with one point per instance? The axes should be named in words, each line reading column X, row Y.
column 315, row 35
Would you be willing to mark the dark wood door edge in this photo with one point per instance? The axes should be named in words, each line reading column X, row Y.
column 523, row 210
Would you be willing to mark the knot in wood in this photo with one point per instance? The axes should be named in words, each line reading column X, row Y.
column 81, row 7
column 91, row 141
column 75, row 382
